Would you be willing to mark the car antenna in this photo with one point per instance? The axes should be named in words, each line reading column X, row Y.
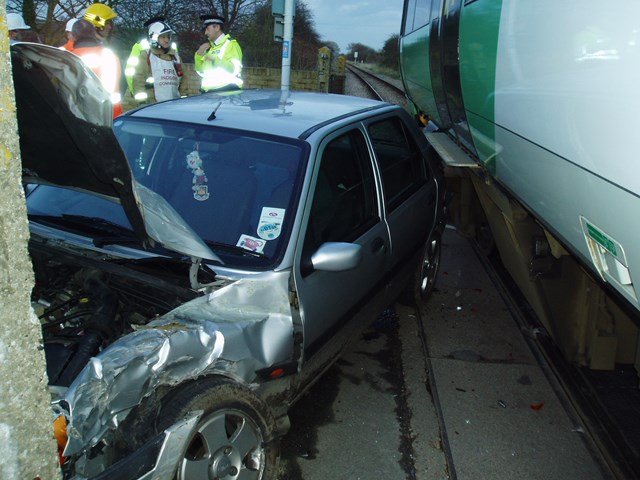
column 213, row 114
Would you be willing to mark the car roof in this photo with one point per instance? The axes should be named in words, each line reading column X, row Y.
column 291, row 114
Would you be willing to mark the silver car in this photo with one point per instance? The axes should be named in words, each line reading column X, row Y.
column 201, row 262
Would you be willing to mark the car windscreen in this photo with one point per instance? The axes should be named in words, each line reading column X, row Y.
column 236, row 189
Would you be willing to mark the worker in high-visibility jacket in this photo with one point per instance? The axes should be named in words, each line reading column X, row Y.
column 158, row 75
column 218, row 61
column 104, row 63
column 68, row 45
column 134, row 57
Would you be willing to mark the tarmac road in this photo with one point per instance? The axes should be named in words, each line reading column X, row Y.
column 355, row 423
column 450, row 390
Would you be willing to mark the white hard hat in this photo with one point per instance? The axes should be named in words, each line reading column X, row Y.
column 156, row 29
column 69, row 25
column 16, row 22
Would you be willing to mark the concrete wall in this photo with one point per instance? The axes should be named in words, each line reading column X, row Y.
column 27, row 448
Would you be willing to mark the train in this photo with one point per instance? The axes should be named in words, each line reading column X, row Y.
column 532, row 108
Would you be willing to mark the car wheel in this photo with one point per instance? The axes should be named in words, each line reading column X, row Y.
column 424, row 278
column 232, row 440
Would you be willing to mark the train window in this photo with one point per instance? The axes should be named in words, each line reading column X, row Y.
column 423, row 13
column 417, row 14
column 409, row 13
column 401, row 163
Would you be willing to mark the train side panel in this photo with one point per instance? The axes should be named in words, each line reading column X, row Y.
column 479, row 28
column 417, row 72
column 549, row 97
column 566, row 107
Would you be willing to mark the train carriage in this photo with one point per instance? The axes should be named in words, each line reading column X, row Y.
column 532, row 109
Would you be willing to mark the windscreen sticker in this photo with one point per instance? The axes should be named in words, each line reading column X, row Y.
column 199, row 187
column 270, row 225
column 251, row 243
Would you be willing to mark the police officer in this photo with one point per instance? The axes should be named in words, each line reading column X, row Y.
column 159, row 72
column 218, row 61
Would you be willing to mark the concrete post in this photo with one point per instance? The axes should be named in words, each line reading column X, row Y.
column 324, row 69
column 27, row 447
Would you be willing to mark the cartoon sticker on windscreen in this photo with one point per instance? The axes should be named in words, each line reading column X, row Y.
column 270, row 225
column 200, row 188
column 251, row 243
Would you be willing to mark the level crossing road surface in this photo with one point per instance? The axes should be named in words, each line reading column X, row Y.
column 450, row 389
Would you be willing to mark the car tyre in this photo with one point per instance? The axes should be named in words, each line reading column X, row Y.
column 424, row 278
column 234, row 436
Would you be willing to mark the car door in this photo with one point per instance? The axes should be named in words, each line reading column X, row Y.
column 409, row 195
column 343, row 206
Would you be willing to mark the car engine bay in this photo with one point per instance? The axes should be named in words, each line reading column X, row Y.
column 86, row 302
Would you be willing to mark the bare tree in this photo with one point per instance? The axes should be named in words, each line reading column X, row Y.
column 48, row 17
column 259, row 48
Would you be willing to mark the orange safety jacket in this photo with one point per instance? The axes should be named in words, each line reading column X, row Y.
column 67, row 46
column 106, row 65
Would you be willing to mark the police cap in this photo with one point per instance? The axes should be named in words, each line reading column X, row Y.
column 211, row 20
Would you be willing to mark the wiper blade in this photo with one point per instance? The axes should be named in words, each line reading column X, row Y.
column 235, row 249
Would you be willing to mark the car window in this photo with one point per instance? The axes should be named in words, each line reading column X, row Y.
column 344, row 203
column 402, row 166
column 232, row 187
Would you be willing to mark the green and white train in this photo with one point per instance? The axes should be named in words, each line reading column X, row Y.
column 533, row 108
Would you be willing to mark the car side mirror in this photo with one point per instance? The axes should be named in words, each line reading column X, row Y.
column 337, row 257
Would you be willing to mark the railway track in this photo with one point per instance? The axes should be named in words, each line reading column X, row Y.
column 609, row 409
column 375, row 86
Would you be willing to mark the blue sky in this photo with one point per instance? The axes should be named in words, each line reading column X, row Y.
column 370, row 22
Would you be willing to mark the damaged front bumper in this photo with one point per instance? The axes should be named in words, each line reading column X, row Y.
column 157, row 459
column 234, row 332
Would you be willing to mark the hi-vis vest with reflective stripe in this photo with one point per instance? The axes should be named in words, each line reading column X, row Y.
column 106, row 66
column 133, row 61
column 221, row 65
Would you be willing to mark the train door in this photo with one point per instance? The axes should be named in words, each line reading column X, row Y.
column 445, row 68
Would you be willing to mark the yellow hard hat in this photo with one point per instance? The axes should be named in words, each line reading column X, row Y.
column 99, row 14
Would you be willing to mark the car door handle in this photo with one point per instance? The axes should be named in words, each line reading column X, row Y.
column 377, row 246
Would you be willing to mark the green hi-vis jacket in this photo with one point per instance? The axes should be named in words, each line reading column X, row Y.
column 221, row 65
